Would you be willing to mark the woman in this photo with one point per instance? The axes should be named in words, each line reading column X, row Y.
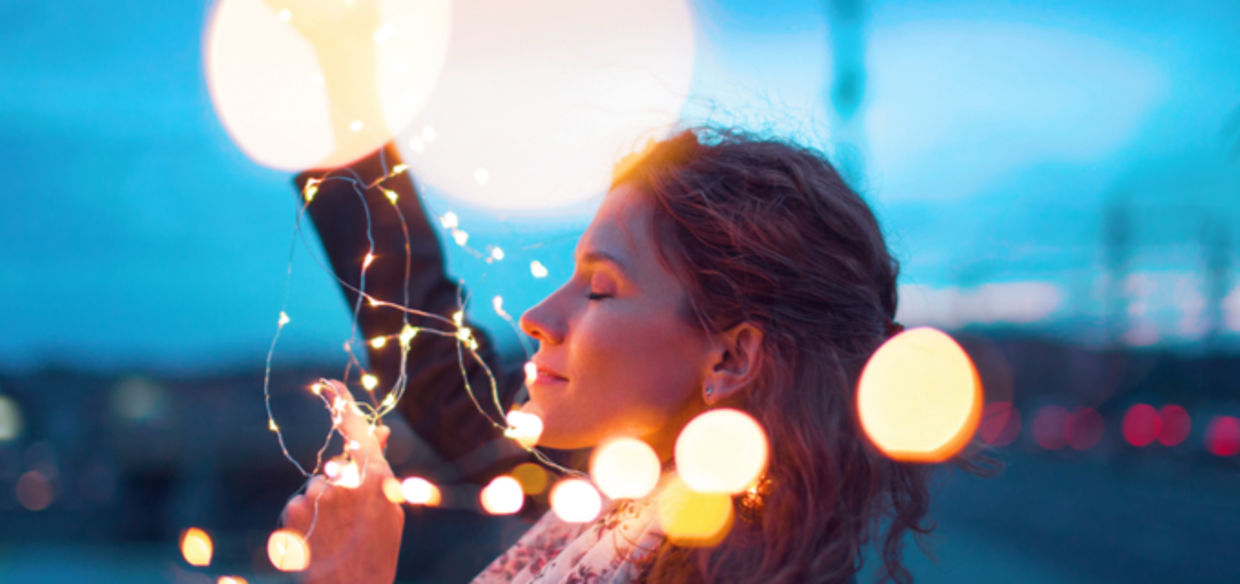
column 720, row 271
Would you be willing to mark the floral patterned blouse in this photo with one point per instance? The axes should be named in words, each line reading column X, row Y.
column 608, row 550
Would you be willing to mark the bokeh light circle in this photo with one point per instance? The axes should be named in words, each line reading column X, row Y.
column 1141, row 425
column 625, row 468
column 721, row 451
column 537, row 100
column 1000, row 424
column 919, row 397
column 1175, row 425
column 10, row 419
column 419, row 491
column 288, row 551
column 502, row 496
column 532, row 476
column 1223, row 436
column 691, row 518
column 575, row 500
column 1049, row 424
column 273, row 91
column 1083, row 429
column 196, row 547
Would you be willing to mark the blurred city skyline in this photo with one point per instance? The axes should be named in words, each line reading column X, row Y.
column 1000, row 144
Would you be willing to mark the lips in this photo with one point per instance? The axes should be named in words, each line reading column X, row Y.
column 544, row 374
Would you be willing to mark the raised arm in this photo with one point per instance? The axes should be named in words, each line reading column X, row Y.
column 435, row 404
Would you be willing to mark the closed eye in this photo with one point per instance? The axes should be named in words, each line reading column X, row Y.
column 597, row 296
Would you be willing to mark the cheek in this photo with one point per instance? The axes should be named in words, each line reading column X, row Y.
column 643, row 368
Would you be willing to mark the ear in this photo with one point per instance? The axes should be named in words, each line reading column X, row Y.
column 734, row 362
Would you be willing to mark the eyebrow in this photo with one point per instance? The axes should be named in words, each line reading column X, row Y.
column 596, row 256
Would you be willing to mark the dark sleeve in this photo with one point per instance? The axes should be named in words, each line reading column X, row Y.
column 435, row 403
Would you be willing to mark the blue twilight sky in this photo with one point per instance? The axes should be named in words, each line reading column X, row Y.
column 993, row 134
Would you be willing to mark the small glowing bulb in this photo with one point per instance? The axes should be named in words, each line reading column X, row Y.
column 498, row 303
column 459, row 236
column 399, row 168
column 465, row 335
column 389, row 400
column 417, row 145
column 311, row 189
column 531, row 372
column 354, row 445
column 271, row 425
column 288, row 551
column 283, row 318
column 482, row 175
column 355, row 126
column 231, row 580
column 419, row 491
column 502, row 496
column 391, row 490
column 285, row 15
column 196, row 547
column 390, row 194
column 458, row 317
column 370, row 382
column 524, row 427
column 316, row 388
column 378, row 342
column 406, row 335
column 537, row 269
column 347, row 475
column 449, row 220
column 369, row 259
column 575, row 501
column 429, row 134
column 497, row 253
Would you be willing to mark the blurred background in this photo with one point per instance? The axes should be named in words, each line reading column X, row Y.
column 1060, row 180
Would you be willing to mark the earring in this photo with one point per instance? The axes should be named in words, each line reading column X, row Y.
column 709, row 390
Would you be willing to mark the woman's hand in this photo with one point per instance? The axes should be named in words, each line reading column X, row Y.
column 356, row 534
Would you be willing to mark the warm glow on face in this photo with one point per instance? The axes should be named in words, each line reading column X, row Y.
column 290, row 105
column 537, row 100
column 689, row 518
column 721, row 451
column 575, row 501
column 288, row 551
column 532, row 476
column 502, row 496
column 196, row 547
column 524, row 427
column 419, row 491
column 625, row 468
column 919, row 397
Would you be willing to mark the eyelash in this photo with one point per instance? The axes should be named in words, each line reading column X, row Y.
column 595, row 296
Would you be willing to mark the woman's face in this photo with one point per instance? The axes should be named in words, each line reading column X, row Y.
column 616, row 356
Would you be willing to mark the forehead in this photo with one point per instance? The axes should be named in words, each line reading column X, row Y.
column 622, row 229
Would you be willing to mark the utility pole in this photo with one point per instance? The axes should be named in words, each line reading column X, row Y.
column 846, row 93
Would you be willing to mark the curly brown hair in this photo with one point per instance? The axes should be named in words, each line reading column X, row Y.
column 767, row 232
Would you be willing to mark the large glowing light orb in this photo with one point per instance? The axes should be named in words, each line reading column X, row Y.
column 537, row 100
column 307, row 83
column 625, row 468
column 575, row 501
column 919, row 397
column 690, row 518
column 721, row 451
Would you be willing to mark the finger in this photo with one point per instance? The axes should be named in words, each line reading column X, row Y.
column 352, row 423
column 384, row 432
column 315, row 488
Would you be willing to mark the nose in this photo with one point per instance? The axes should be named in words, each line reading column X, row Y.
column 544, row 322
